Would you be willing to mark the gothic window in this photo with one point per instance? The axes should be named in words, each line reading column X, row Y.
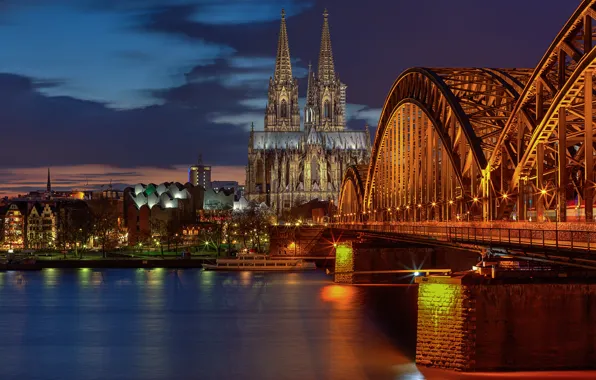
column 284, row 108
column 327, row 109
column 314, row 170
column 309, row 115
column 260, row 173
column 287, row 173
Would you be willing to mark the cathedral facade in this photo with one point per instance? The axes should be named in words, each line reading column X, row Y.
column 289, row 165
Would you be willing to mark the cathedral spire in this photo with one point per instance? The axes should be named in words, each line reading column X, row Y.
column 283, row 65
column 310, row 90
column 49, row 185
column 326, row 65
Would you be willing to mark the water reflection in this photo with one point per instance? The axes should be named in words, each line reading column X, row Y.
column 173, row 324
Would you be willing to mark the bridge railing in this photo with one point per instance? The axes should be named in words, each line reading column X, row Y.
column 491, row 236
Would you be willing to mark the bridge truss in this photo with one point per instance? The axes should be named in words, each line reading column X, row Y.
column 490, row 144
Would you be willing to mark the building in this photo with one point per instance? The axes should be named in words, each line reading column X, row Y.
column 229, row 185
column 154, row 210
column 41, row 226
column 219, row 199
column 289, row 165
column 15, row 225
column 200, row 175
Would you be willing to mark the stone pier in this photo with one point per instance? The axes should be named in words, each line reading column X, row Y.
column 474, row 323
column 353, row 256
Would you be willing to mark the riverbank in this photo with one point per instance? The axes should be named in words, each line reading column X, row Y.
column 124, row 263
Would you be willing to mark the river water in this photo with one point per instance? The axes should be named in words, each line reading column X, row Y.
column 190, row 324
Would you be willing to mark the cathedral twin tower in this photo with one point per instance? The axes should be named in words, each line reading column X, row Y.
column 287, row 165
column 326, row 95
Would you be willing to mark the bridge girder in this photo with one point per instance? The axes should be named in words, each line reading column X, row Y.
column 471, row 142
column 352, row 193
column 548, row 131
column 437, row 125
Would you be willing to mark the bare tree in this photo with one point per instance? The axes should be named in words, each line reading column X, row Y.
column 105, row 224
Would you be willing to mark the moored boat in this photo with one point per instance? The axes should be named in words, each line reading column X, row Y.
column 259, row 263
column 20, row 265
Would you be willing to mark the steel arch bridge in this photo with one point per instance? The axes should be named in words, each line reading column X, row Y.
column 490, row 144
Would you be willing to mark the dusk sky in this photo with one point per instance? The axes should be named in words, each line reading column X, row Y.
column 133, row 90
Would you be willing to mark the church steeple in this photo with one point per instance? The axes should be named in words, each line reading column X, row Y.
column 282, row 112
column 326, row 66
column 283, row 64
column 49, row 184
column 311, row 100
column 310, row 90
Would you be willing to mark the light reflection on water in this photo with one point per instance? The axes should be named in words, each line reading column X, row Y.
column 187, row 324
column 190, row 324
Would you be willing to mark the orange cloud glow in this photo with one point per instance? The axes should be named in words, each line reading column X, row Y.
column 15, row 181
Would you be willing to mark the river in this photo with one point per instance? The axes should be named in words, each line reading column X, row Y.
column 190, row 324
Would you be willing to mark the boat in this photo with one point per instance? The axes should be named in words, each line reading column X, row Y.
column 259, row 263
column 21, row 265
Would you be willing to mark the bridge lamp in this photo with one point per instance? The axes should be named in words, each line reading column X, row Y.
column 434, row 204
column 505, row 196
column 419, row 205
column 407, row 207
column 543, row 191
column 450, row 202
column 416, row 274
column 398, row 209
column 475, row 199
column 389, row 209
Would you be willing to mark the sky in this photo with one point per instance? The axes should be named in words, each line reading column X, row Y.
column 128, row 91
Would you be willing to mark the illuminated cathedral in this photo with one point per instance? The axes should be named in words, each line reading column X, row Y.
column 289, row 165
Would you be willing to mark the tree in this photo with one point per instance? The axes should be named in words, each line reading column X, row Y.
column 105, row 224
column 73, row 225
column 159, row 232
column 252, row 226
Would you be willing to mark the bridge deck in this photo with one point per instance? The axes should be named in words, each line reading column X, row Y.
column 580, row 246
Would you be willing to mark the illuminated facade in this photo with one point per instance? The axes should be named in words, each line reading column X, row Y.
column 41, row 226
column 151, row 208
column 15, row 220
column 200, row 175
column 287, row 165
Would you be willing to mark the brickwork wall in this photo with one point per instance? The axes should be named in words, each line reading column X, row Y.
column 535, row 326
column 446, row 326
column 468, row 326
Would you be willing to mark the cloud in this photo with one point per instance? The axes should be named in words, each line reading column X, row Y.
column 363, row 112
column 92, row 177
column 244, row 120
column 72, row 131
column 242, row 72
column 90, row 54
column 254, row 103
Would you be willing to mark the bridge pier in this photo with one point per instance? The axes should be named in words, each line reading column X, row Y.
column 354, row 256
column 474, row 323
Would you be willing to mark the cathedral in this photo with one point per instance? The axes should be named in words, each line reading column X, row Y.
column 289, row 165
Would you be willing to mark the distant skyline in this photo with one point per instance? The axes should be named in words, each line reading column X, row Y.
column 133, row 90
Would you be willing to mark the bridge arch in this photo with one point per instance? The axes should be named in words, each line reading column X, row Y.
column 352, row 194
column 491, row 143
column 436, row 130
column 547, row 143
